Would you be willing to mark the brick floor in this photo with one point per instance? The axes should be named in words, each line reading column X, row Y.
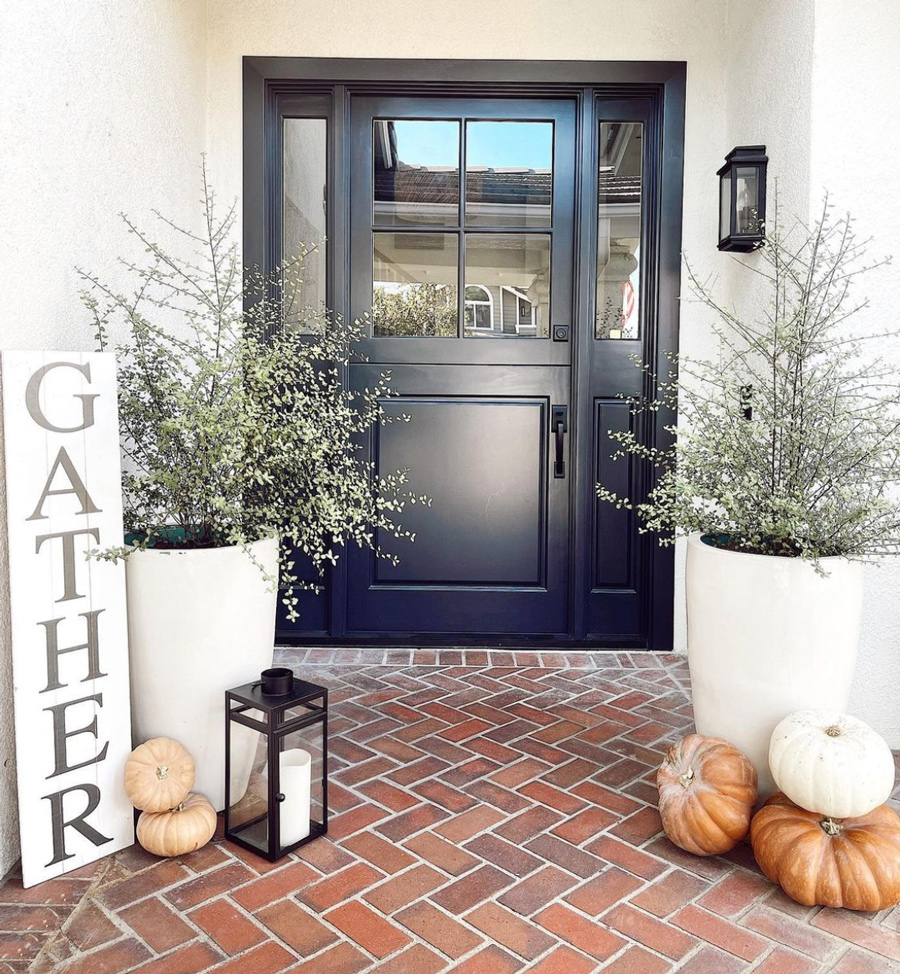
column 494, row 813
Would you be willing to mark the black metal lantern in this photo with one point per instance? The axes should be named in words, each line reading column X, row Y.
column 742, row 199
column 276, row 756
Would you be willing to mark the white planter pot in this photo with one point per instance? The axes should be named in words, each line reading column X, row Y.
column 199, row 623
column 767, row 636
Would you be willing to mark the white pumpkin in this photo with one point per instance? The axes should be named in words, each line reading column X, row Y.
column 829, row 762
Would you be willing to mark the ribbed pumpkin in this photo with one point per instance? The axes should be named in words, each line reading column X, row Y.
column 829, row 762
column 183, row 829
column 159, row 774
column 707, row 790
column 819, row 861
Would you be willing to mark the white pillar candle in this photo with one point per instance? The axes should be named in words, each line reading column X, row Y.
column 294, row 765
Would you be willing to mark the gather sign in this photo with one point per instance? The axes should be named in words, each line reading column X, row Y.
column 67, row 612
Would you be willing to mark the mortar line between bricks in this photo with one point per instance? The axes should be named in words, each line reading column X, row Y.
column 226, row 897
column 417, row 937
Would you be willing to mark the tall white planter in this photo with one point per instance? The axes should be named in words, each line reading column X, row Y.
column 199, row 623
column 767, row 636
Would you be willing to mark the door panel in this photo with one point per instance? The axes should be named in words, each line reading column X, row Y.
column 482, row 463
column 620, row 313
column 491, row 552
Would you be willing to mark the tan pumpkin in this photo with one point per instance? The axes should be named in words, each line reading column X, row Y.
column 707, row 790
column 819, row 861
column 159, row 774
column 183, row 829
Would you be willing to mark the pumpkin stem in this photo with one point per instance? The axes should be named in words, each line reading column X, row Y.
column 687, row 778
column 830, row 827
column 162, row 771
column 833, row 731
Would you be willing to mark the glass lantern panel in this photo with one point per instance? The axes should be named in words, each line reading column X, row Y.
column 619, row 179
column 725, row 206
column 301, row 763
column 248, row 773
column 298, row 710
column 747, row 199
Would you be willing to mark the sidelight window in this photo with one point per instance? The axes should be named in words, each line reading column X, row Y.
column 619, row 230
column 304, row 199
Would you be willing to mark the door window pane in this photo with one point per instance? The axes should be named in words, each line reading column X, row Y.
column 509, row 174
column 415, row 173
column 619, row 230
column 514, row 268
column 415, row 284
column 303, row 222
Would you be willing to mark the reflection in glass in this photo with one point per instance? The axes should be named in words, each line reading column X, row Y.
column 479, row 307
column 415, row 173
column 415, row 284
column 513, row 269
column 747, row 199
column 303, row 222
column 619, row 230
column 509, row 174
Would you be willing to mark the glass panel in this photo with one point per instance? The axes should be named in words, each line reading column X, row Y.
column 415, row 284
column 415, row 173
column 479, row 307
column 747, row 199
column 619, row 230
column 725, row 206
column 249, row 796
column 509, row 174
column 300, row 763
column 303, row 222
column 514, row 269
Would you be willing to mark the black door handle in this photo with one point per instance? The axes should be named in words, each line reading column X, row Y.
column 559, row 425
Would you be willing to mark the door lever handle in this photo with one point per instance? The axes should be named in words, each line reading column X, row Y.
column 559, row 426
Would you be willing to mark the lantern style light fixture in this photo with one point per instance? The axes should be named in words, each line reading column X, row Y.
column 742, row 199
column 276, row 756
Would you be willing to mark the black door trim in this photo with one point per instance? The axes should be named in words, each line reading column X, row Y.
column 271, row 83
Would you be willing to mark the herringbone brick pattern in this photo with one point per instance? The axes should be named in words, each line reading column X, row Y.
column 493, row 812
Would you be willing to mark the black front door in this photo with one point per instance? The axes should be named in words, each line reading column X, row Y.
column 512, row 233
column 462, row 223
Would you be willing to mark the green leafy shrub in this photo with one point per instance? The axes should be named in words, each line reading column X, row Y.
column 789, row 440
column 233, row 426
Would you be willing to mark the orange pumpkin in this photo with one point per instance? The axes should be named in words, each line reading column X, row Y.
column 707, row 790
column 180, row 830
column 820, row 861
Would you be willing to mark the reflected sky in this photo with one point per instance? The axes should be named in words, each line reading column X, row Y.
column 525, row 145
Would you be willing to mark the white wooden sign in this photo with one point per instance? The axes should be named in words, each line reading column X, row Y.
column 69, row 632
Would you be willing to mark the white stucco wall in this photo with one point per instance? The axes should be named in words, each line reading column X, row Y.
column 856, row 157
column 108, row 104
column 102, row 110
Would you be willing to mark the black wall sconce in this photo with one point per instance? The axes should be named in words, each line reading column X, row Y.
column 742, row 199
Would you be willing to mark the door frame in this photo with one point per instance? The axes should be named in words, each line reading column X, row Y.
column 269, row 81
